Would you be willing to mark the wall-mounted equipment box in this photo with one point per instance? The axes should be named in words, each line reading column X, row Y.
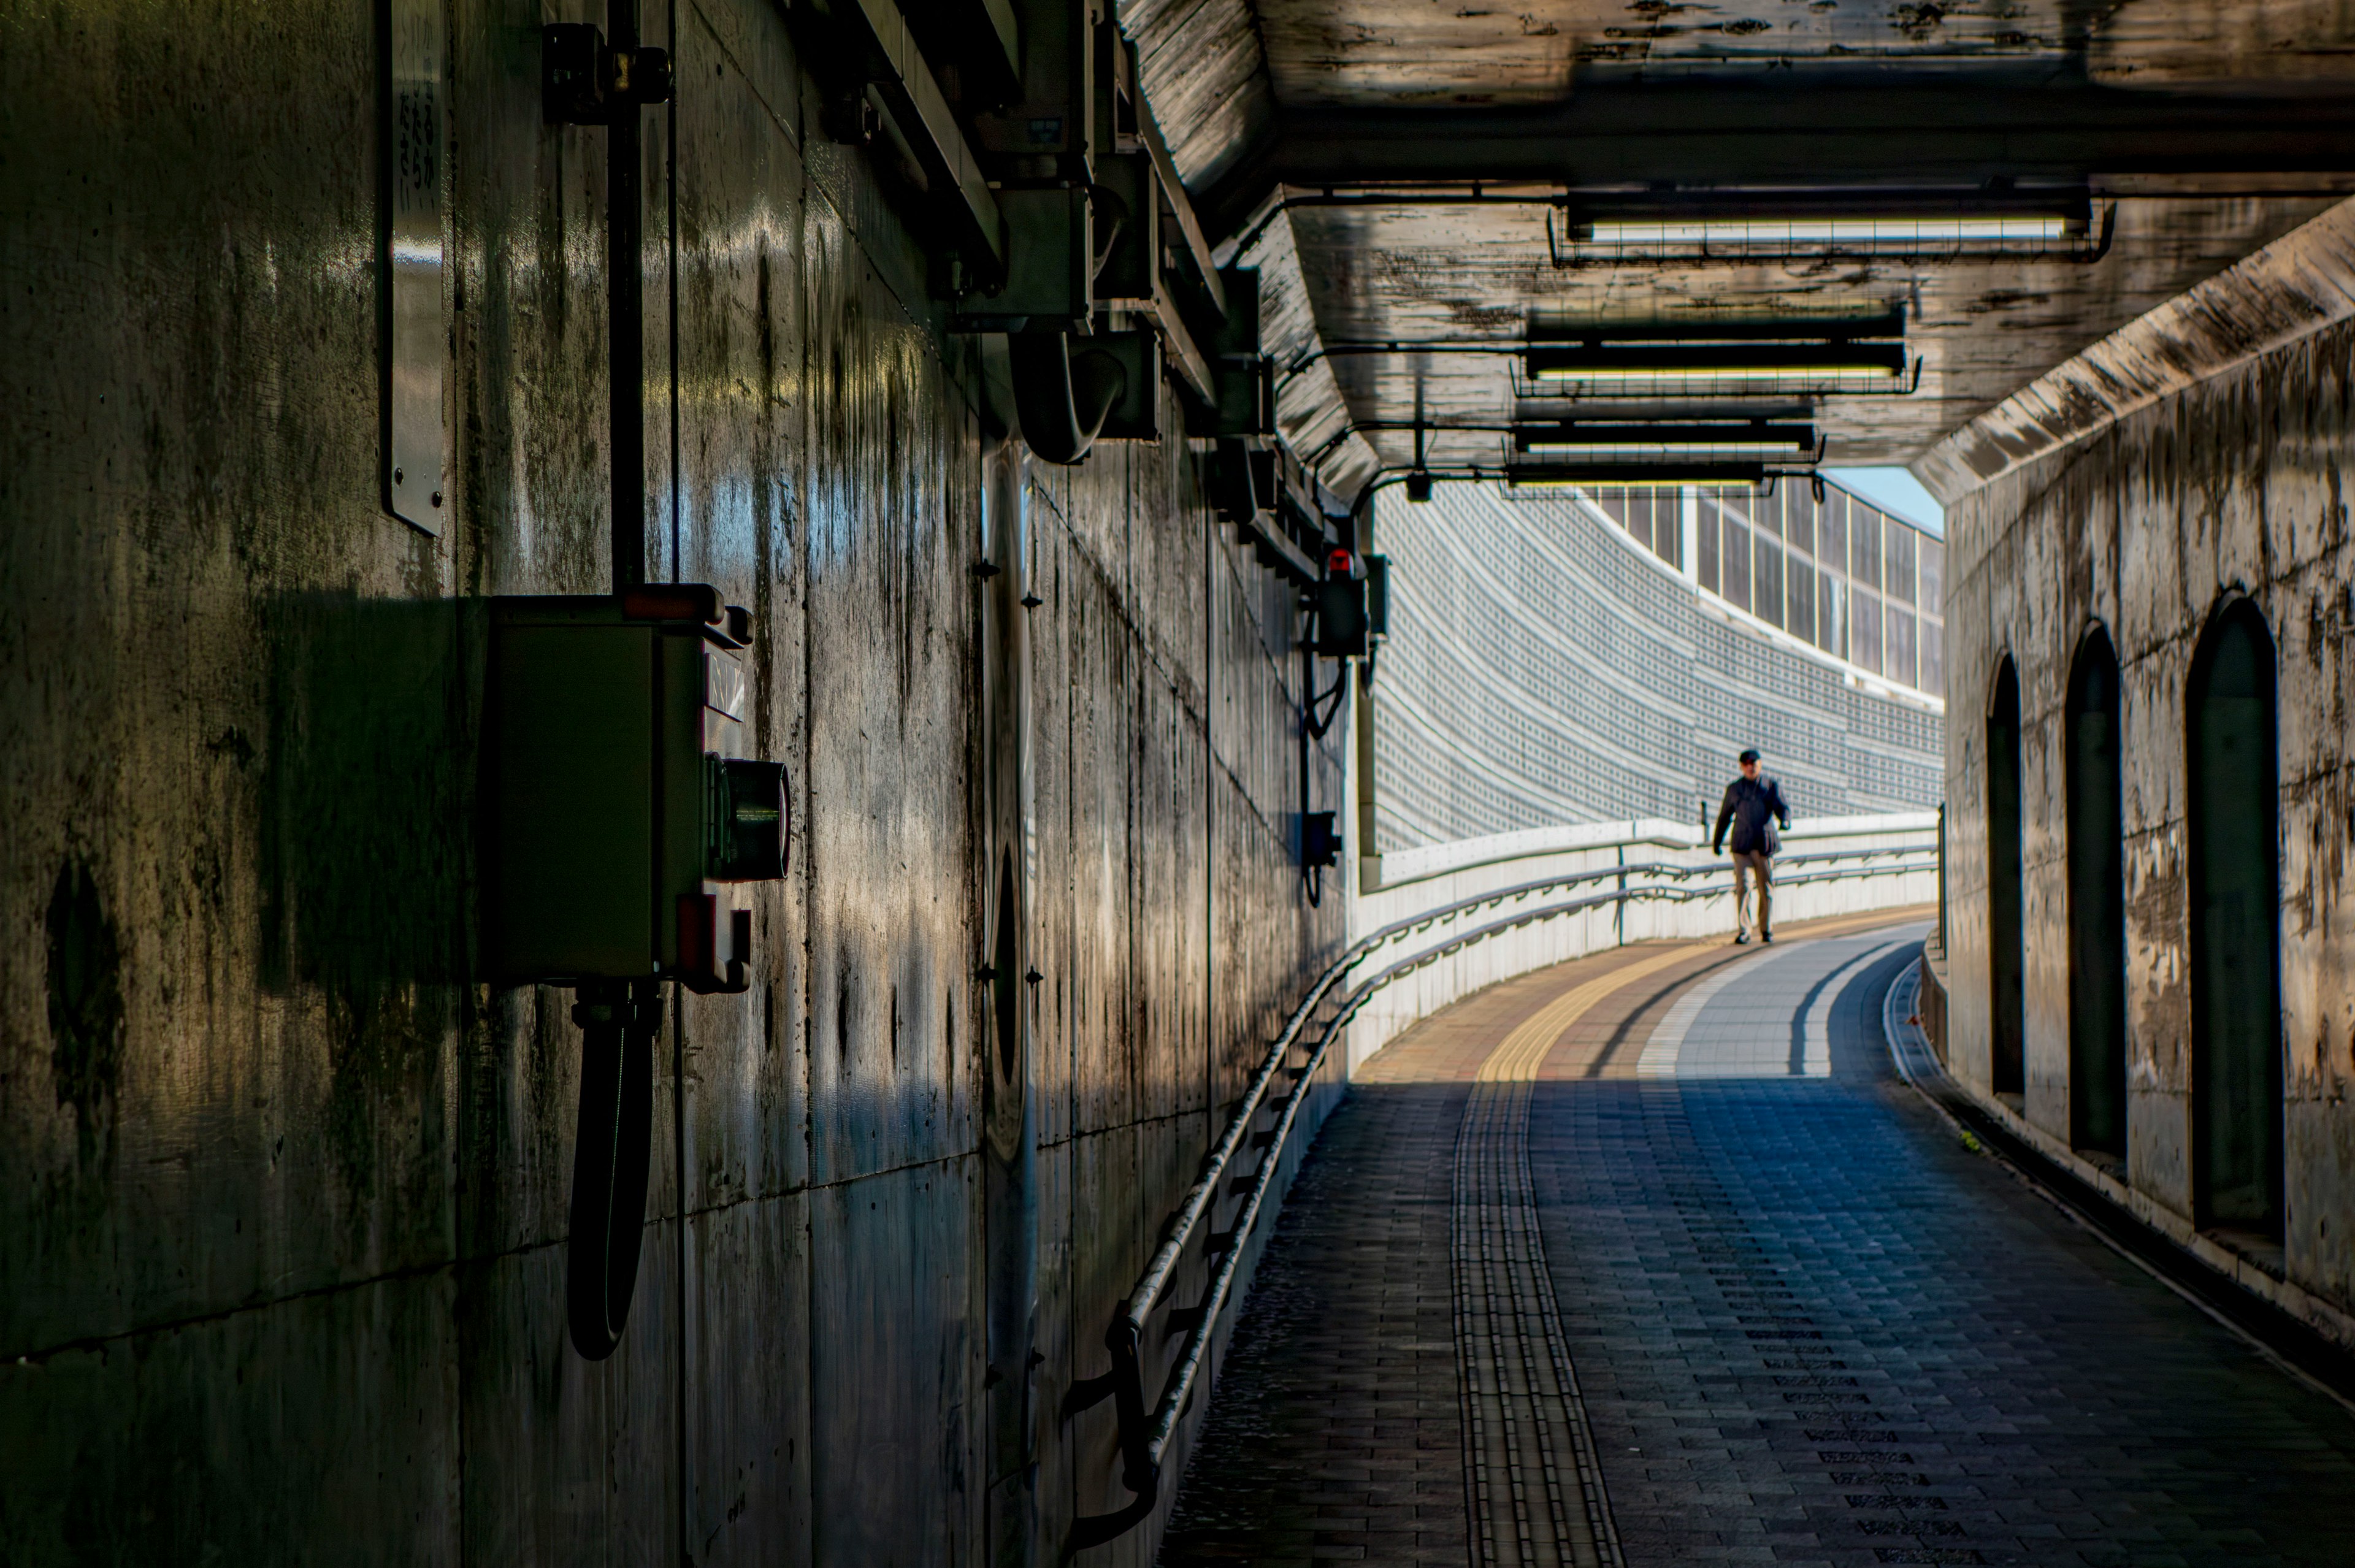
column 1320, row 841
column 1245, row 377
column 1050, row 264
column 621, row 820
column 1241, row 478
column 1046, row 130
column 1341, row 609
column 1132, row 263
column 1135, row 414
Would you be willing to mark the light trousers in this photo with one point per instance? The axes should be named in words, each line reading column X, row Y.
column 1749, row 864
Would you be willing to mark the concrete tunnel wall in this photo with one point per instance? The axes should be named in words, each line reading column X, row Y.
column 2233, row 483
column 283, row 1182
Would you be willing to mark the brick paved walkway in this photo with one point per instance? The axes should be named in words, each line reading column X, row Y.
column 1807, row 1324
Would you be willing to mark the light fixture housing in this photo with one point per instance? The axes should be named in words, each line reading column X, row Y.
column 1637, row 476
column 1734, row 353
column 1665, row 439
column 1789, row 234
column 2000, row 220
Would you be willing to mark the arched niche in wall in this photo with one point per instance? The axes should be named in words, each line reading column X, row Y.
column 2097, row 909
column 2232, row 778
column 2007, row 1014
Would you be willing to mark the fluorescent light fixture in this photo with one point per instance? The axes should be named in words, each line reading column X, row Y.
column 1697, row 223
column 1653, row 449
column 1664, row 438
column 1542, row 482
column 1738, row 350
column 1889, row 323
column 1637, row 476
column 1701, row 374
column 1788, row 233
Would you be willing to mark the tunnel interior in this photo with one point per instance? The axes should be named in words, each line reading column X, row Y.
column 927, row 782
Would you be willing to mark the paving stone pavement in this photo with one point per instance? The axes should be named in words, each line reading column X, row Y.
column 1808, row 1325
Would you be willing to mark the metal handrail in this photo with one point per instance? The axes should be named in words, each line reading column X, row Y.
column 1670, row 869
column 1144, row 1435
column 1413, row 962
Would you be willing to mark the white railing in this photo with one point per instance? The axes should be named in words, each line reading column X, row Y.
column 1533, row 900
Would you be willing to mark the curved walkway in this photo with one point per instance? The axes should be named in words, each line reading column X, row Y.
column 1650, row 1258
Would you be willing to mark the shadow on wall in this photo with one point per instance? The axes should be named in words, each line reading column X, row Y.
column 85, row 984
column 365, row 838
column 368, row 793
column 364, row 844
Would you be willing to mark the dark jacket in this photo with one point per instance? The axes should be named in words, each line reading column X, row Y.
column 1753, row 805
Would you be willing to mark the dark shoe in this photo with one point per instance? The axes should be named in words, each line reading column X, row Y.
column 1740, row 937
column 1767, row 937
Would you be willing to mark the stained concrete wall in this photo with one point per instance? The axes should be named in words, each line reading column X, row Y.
column 2233, row 482
column 283, row 1182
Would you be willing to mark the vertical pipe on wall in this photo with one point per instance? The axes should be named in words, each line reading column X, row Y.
column 1208, row 539
column 1010, row 1187
column 1361, row 730
column 1300, row 818
column 2007, row 1012
column 686, row 1325
column 1939, row 937
column 670, row 284
column 625, row 308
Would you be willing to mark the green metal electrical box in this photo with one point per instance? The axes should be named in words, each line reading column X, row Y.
column 1050, row 264
column 621, row 820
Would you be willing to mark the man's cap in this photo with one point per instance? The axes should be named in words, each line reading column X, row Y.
column 1749, row 756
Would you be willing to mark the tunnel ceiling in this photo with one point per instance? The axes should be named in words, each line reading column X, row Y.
column 1386, row 52
column 2201, row 130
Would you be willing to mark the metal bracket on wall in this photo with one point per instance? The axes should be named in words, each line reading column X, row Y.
column 412, row 331
column 584, row 81
column 887, row 61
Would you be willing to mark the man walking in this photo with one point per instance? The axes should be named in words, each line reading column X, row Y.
column 1753, row 803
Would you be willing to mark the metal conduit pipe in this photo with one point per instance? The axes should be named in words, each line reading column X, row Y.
column 1062, row 397
column 587, row 79
column 1145, row 1435
column 613, row 1140
column 1396, row 473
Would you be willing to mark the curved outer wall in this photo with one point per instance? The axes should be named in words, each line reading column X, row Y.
column 2233, row 480
column 283, row 1183
column 1543, row 667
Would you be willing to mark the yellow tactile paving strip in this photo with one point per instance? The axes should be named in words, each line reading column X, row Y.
column 1603, row 1040
column 1536, row 1490
column 1517, row 1057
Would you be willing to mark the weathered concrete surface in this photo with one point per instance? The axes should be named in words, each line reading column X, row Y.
column 1323, row 54
column 2277, row 294
column 283, row 1186
column 2231, row 482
